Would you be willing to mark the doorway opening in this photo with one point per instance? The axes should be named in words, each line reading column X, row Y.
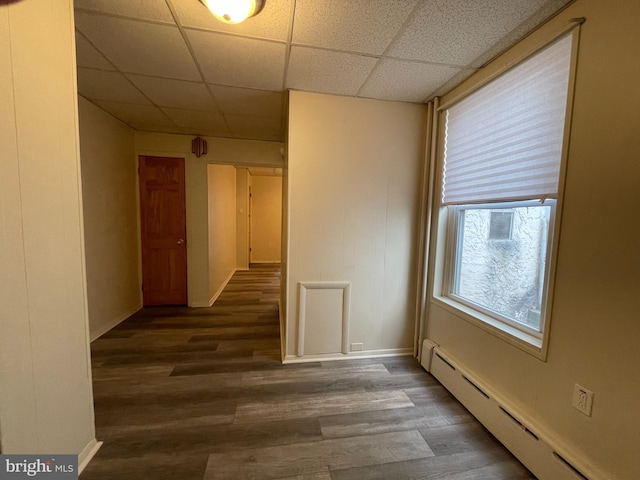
column 240, row 226
column 265, row 215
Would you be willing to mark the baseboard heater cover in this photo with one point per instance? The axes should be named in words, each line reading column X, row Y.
column 535, row 449
column 426, row 354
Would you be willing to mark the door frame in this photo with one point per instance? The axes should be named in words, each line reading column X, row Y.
column 249, row 220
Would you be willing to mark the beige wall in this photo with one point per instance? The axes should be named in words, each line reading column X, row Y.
column 353, row 193
column 594, row 327
column 227, row 151
column 266, row 219
column 46, row 402
column 221, row 151
column 109, row 185
column 222, row 227
column 242, row 218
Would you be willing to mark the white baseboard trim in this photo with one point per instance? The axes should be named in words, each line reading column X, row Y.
column 222, row 287
column 325, row 357
column 540, row 450
column 118, row 320
column 87, row 454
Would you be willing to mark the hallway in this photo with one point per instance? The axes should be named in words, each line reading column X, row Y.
column 200, row 394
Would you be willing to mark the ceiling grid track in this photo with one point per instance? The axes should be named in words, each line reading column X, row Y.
column 197, row 63
column 116, row 69
column 194, row 75
column 399, row 34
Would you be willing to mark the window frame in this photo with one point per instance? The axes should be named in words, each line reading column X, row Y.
column 442, row 244
column 452, row 270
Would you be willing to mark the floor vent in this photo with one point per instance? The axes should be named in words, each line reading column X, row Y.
column 535, row 447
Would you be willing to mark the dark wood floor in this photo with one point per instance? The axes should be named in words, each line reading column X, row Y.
column 200, row 394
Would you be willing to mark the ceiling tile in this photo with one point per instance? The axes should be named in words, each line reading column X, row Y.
column 87, row 56
column 174, row 93
column 326, row 71
column 164, row 129
column 271, row 23
column 256, row 135
column 138, row 47
column 242, row 62
column 246, row 124
column 197, row 120
column 156, row 10
column 405, row 81
column 135, row 115
column 549, row 8
column 454, row 81
column 103, row 85
column 455, row 32
column 247, row 101
column 365, row 26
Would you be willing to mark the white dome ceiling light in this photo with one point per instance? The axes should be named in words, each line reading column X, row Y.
column 234, row 11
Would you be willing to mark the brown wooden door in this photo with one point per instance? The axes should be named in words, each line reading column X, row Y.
column 163, row 225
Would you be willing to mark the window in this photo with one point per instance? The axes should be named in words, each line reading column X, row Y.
column 502, row 155
column 503, row 279
column 501, row 225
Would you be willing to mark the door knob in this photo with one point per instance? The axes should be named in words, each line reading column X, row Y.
column 181, row 241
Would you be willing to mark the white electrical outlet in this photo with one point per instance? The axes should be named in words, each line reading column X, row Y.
column 582, row 399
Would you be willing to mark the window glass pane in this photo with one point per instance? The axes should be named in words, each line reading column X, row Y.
column 500, row 225
column 506, row 276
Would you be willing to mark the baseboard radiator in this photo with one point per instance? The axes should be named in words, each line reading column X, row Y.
column 535, row 449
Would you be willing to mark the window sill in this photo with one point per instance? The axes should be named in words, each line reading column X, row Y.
column 519, row 339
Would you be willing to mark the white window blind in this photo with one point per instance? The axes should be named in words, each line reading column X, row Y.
column 504, row 141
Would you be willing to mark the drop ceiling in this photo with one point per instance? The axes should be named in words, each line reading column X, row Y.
column 170, row 66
